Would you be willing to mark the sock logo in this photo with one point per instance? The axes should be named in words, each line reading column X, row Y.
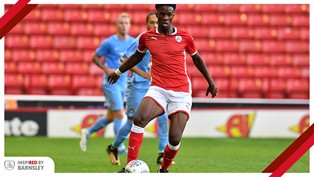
column 132, row 147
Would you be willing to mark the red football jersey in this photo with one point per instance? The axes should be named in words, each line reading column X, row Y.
column 169, row 70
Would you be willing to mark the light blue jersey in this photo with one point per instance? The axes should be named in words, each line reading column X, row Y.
column 135, row 79
column 112, row 49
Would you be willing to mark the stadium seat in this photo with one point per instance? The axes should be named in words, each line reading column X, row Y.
column 297, row 47
column 97, row 16
column 52, row 15
column 301, row 20
column 104, row 30
column 111, row 7
column 92, row 6
column 87, row 43
column 279, row 20
column 249, row 46
column 137, row 7
column 14, row 81
column 233, row 59
column 36, row 84
column 87, row 55
column 265, row 33
column 35, row 28
column 138, row 17
column 235, row 19
column 211, row 19
column 95, row 70
column 250, row 8
column 288, row 72
column 75, row 15
column 53, row 68
column 199, row 83
column 203, row 45
column 16, row 41
column 34, row 15
column 41, row 42
column 296, row 8
column 257, row 59
column 84, row 81
column 198, row 32
column 223, row 84
column 280, row 60
column 23, row 55
column 187, row 18
column 219, row 71
column 79, row 29
column 276, row 88
column 273, row 46
column 257, row 20
column 210, row 59
column 70, row 56
column 17, row 29
column 228, row 8
column 65, row 42
column 242, row 33
column 10, row 68
column 305, row 34
column 288, row 33
column 301, row 60
column 250, row 85
column 270, row 8
column 47, row 55
column 219, row 32
column 8, row 55
column 76, row 68
column 59, row 85
column 265, row 72
column 29, row 67
column 305, row 72
column 297, row 88
column 58, row 28
column 202, row 7
column 241, row 72
column 227, row 46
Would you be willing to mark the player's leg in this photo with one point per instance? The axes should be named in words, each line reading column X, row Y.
column 100, row 123
column 152, row 105
column 162, row 136
column 179, row 109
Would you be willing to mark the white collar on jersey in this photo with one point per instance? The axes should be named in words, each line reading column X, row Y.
column 175, row 31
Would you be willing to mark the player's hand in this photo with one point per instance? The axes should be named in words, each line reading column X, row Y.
column 147, row 76
column 112, row 78
column 212, row 89
column 109, row 70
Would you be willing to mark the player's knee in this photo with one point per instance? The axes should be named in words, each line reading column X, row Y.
column 174, row 140
column 140, row 121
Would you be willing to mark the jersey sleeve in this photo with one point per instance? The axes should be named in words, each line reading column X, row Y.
column 103, row 49
column 142, row 46
column 191, row 48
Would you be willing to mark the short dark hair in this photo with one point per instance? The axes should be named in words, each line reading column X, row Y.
column 171, row 5
column 148, row 15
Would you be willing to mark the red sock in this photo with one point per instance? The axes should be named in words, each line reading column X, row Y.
column 168, row 157
column 135, row 142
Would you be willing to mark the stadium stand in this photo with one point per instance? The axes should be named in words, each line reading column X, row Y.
column 252, row 51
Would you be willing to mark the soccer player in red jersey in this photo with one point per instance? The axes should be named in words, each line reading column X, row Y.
column 170, row 90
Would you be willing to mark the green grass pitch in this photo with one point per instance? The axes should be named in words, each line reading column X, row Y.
column 197, row 155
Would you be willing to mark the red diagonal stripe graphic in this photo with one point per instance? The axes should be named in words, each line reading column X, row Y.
column 286, row 159
column 14, row 15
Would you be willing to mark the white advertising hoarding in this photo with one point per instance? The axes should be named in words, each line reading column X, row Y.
column 271, row 123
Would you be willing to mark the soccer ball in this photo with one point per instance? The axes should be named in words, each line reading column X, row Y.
column 137, row 166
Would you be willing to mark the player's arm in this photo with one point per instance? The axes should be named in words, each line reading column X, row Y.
column 97, row 61
column 199, row 63
column 130, row 63
column 137, row 70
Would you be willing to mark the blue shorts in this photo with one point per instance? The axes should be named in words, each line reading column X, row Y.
column 135, row 94
column 115, row 95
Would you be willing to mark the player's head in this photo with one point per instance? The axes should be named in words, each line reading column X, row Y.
column 165, row 14
column 123, row 24
column 151, row 21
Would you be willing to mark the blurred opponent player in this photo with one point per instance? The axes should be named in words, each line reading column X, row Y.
column 137, row 88
column 111, row 49
column 170, row 91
